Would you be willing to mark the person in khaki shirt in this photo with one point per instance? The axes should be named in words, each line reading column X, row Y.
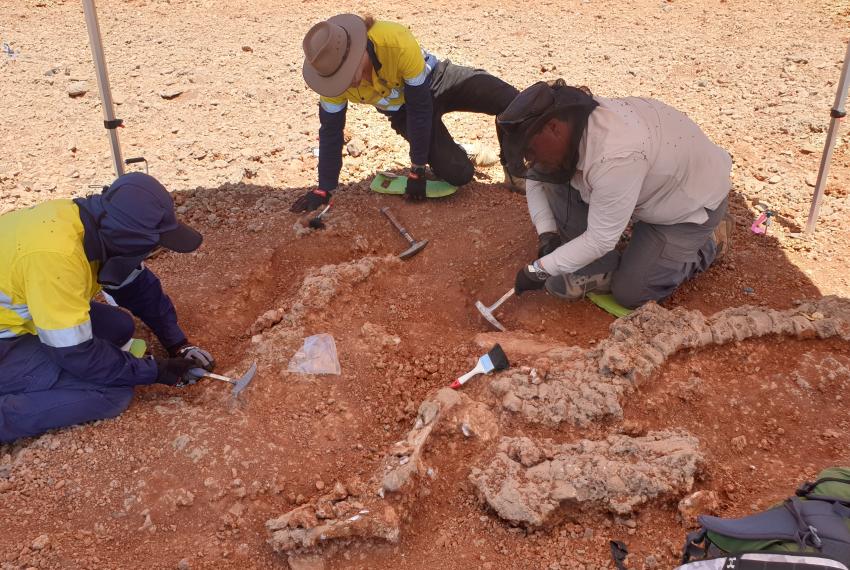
column 593, row 165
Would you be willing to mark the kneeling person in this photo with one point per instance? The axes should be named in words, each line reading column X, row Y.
column 595, row 164
column 360, row 60
column 63, row 357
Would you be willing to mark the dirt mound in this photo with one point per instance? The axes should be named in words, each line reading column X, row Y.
column 283, row 327
column 317, row 291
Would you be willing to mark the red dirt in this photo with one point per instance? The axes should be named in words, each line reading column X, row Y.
column 89, row 488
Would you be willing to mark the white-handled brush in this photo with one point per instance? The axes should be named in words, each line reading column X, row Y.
column 493, row 360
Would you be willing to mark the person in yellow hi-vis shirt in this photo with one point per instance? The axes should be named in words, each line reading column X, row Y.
column 64, row 358
column 360, row 60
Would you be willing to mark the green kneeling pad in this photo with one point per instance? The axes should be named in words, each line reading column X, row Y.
column 138, row 347
column 608, row 304
column 389, row 183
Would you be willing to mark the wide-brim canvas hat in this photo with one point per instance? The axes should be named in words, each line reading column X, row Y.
column 333, row 50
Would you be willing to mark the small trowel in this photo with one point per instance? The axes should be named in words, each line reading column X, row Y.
column 493, row 360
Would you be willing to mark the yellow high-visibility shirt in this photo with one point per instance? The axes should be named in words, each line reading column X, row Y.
column 46, row 280
column 402, row 62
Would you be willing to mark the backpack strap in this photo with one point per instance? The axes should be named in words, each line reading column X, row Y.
column 827, row 524
column 795, row 520
column 692, row 549
column 805, row 490
column 778, row 523
column 806, row 534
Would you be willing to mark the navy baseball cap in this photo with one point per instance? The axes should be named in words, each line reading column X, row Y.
column 139, row 208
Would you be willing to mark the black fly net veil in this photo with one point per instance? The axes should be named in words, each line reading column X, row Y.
column 526, row 116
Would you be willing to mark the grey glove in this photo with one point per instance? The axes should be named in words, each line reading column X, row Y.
column 201, row 357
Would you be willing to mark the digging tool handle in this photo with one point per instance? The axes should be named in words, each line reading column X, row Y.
column 504, row 298
column 386, row 211
column 205, row 374
column 475, row 371
column 324, row 211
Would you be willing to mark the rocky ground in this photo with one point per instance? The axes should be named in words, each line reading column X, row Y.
column 598, row 430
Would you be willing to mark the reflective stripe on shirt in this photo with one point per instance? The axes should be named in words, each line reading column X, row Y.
column 19, row 309
column 332, row 107
column 430, row 63
column 63, row 338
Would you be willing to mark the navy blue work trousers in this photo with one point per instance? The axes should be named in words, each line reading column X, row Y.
column 37, row 395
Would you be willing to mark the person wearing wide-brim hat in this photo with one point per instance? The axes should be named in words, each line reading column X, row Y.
column 352, row 59
column 65, row 358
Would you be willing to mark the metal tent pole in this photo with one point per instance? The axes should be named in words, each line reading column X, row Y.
column 109, row 120
column 837, row 113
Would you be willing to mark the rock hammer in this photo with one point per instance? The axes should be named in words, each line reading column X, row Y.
column 415, row 246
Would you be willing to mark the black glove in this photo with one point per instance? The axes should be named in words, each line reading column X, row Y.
column 310, row 201
column 416, row 184
column 547, row 242
column 529, row 279
column 202, row 358
column 175, row 371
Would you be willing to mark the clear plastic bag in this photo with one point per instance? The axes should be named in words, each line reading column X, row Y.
column 316, row 356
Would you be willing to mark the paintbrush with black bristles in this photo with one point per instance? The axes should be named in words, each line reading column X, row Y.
column 493, row 360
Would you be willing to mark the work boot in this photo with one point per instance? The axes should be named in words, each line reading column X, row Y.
column 480, row 154
column 514, row 183
column 722, row 235
column 572, row 287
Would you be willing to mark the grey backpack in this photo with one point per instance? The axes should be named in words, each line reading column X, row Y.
column 810, row 530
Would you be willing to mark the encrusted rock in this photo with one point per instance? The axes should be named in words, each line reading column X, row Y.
column 359, row 513
column 456, row 412
column 576, row 394
column 537, row 483
column 587, row 385
column 699, row 503
column 302, row 529
column 532, row 483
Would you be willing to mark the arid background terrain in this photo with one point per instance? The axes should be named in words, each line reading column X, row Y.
column 212, row 96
